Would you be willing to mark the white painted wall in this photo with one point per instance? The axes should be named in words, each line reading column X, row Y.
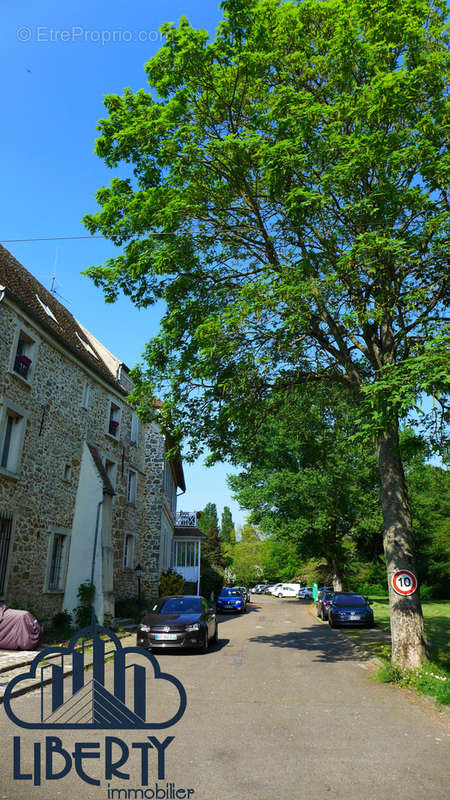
column 89, row 494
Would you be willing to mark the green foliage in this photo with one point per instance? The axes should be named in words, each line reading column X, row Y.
column 171, row 583
column 207, row 518
column 83, row 611
column 62, row 624
column 211, row 581
column 305, row 483
column 430, row 680
column 284, row 189
column 129, row 607
column 227, row 532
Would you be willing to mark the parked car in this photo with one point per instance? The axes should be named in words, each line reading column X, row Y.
column 179, row 621
column 287, row 590
column 306, row 593
column 323, row 604
column 272, row 588
column 348, row 608
column 245, row 592
column 259, row 588
column 231, row 599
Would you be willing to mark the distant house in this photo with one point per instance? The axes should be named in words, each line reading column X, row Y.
column 74, row 461
column 186, row 553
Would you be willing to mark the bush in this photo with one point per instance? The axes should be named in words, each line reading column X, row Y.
column 62, row 624
column 129, row 607
column 211, row 580
column 83, row 611
column 171, row 583
column 373, row 589
column 437, row 591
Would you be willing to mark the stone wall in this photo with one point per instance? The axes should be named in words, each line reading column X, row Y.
column 41, row 496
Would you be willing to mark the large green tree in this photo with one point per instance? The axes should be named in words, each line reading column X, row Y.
column 307, row 481
column 286, row 196
column 227, row 532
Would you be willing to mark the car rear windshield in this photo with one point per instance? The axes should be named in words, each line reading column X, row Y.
column 180, row 605
column 352, row 600
column 230, row 593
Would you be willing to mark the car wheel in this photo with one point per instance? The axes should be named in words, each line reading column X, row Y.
column 320, row 614
column 215, row 637
column 331, row 623
column 279, row 595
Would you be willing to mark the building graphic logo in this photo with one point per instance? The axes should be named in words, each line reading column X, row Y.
column 77, row 692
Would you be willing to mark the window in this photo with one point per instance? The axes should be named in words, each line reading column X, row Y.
column 57, row 561
column 111, row 471
column 128, row 551
column 6, row 523
column 132, row 485
column 87, row 346
column 134, row 427
column 68, row 472
column 86, row 395
column 47, row 310
column 185, row 554
column 114, row 420
column 24, row 353
column 12, row 431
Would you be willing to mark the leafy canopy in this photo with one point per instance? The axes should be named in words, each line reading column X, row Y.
column 285, row 191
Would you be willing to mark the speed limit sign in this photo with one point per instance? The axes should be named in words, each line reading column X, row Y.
column 404, row 582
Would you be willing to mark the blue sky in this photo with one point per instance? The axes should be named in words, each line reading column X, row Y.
column 57, row 61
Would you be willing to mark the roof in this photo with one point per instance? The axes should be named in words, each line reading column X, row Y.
column 23, row 288
column 193, row 533
column 28, row 293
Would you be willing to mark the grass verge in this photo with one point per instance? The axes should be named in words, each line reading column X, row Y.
column 434, row 677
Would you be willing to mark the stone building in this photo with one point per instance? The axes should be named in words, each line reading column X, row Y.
column 78, row 470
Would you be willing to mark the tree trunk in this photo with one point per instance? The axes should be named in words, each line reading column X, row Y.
column 337, row 576
column 407, row 627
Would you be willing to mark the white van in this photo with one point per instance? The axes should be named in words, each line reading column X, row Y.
column 287, row 590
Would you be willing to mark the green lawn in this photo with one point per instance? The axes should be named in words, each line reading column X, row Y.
column 434, row 677
column 437, row 627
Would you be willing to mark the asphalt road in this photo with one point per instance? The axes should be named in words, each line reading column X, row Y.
column 282, row 709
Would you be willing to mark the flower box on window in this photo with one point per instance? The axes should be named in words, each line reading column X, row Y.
column 22, row 365
column 113, row 425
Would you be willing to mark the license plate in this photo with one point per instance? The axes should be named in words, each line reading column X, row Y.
column 165, row 637
column 355, row 616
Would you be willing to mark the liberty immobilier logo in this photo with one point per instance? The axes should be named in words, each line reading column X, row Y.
column 95, row 684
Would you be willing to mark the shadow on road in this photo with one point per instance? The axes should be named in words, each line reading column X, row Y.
column 323, row 642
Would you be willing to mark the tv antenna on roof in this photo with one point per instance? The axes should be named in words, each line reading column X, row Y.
column 52, row 287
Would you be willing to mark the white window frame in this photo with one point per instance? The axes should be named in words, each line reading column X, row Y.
column 134, row 432
column 132, row 486
column 15, row 448
column 86, row 395
column 31, row 347
column 63, row 561
column 129, row 555
column 114, row 415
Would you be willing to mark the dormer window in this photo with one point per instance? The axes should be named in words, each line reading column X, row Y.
column 47, row 310
column 114, row 420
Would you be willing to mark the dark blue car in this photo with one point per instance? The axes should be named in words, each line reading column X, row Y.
column 231, row 599
column 350, row 609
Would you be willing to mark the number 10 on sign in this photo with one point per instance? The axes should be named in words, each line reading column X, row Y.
column 404, row 582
